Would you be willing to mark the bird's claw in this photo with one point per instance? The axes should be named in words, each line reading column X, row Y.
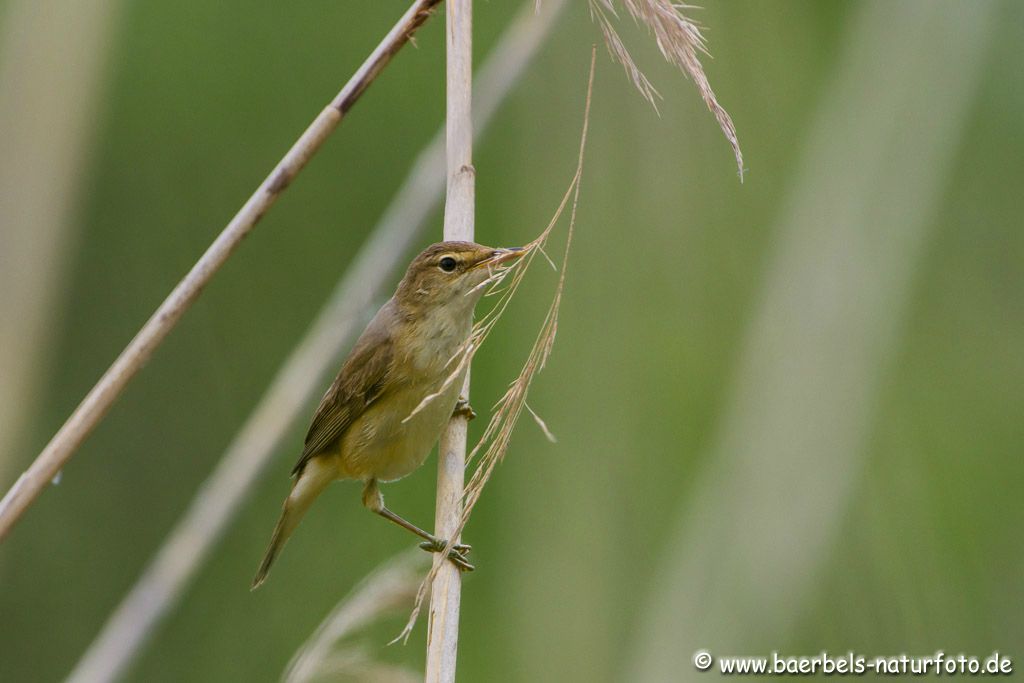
column 437, row 545
column 463, row 409
column 457, row 555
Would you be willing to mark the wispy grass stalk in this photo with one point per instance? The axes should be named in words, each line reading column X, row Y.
column 681, row 43
column 329, row 653
column 493, row 445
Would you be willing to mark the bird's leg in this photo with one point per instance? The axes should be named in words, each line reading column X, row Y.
column 373, row 499
column 463, row 409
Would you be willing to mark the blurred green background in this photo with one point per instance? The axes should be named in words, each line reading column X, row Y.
column 789, row 411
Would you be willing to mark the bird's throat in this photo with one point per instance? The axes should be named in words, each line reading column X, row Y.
column 435, row 339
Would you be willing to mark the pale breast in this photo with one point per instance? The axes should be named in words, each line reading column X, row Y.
column 434, row 342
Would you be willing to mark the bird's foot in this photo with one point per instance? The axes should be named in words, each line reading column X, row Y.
column 457, row 555
column 463, row 409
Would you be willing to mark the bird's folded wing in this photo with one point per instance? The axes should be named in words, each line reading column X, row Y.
column 362, row 381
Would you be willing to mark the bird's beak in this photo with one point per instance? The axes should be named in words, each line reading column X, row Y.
column 500, row 256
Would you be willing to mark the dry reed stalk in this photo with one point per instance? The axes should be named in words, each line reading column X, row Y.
column 221, row 495
column 101, row 397
column 495, row 440
column 680, row 41
column 459, row 214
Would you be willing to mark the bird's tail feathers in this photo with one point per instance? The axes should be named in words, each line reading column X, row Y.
column 309, row 483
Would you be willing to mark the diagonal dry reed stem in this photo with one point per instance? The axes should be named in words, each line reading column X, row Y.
column 220, row 496
column 101, row 397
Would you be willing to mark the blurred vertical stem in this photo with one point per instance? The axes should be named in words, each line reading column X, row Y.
column 783, row 469
column 446, row 590
column 52, row 73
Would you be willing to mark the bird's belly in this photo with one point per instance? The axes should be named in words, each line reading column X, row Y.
column 379, row 445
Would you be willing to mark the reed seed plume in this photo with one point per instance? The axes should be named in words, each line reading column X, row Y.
column 493, row 445
column 329, row 653
column 680, row 41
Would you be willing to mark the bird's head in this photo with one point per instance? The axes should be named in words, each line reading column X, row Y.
column 449, row 274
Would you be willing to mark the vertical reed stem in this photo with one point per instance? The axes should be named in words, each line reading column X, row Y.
column 445, row 594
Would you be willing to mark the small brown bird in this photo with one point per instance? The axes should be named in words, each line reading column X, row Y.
column 362, row 429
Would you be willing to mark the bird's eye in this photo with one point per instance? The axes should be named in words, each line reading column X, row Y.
column 447, row 264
